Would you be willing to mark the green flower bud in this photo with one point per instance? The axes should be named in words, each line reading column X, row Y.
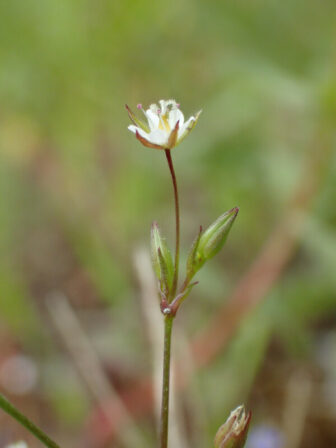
column 214, row 237
column 161, row 260
column 233, row 433
column 208, row 243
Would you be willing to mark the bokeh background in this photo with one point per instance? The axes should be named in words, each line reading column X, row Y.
column 79, row 336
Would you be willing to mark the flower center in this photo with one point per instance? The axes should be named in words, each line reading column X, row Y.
column 164, row 124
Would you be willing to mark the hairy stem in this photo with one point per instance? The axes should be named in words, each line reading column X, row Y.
column 177, row 222
column 38, row 433
column 168, row 326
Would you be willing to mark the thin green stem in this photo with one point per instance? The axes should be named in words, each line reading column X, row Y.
column 168, row 319
column 168, row 326
column 38, row 433
column 177, row 223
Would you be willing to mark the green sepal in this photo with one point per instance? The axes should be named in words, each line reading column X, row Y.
column 161, row 260
column 194, row 260
column 137, row 121
column 190, row 127
column 164, row 279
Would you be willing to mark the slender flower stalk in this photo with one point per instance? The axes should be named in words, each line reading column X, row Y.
column 168, row 320
column 177, row 222
column 38, row 433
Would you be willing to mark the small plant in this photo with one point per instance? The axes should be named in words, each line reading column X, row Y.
column 164, row 129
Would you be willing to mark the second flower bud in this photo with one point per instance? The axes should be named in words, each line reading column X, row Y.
column 209, row 242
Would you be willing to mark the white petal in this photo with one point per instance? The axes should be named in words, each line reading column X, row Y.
column 154, row 108
column 18, row 445
column 133, row 128
column 163, row 106
column 142, row 133
column 158, row 137
column 174, row 116
column 153, row 119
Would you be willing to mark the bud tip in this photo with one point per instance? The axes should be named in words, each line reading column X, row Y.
column 232, row 434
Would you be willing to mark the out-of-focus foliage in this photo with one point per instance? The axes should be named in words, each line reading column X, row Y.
column 78, row 192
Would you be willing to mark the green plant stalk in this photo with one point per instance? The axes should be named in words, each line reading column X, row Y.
column 177, row 223
column 168, row 319
column 38, row 433
column 168, row 326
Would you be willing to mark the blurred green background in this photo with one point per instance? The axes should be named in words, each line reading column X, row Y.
column 78, row 195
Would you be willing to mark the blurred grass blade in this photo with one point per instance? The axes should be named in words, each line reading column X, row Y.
column 24, row 421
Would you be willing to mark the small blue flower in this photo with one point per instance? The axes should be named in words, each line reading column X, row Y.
column 264, row 436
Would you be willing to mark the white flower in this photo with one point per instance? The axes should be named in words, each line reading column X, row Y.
column 18, row 445
column 165, row 127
